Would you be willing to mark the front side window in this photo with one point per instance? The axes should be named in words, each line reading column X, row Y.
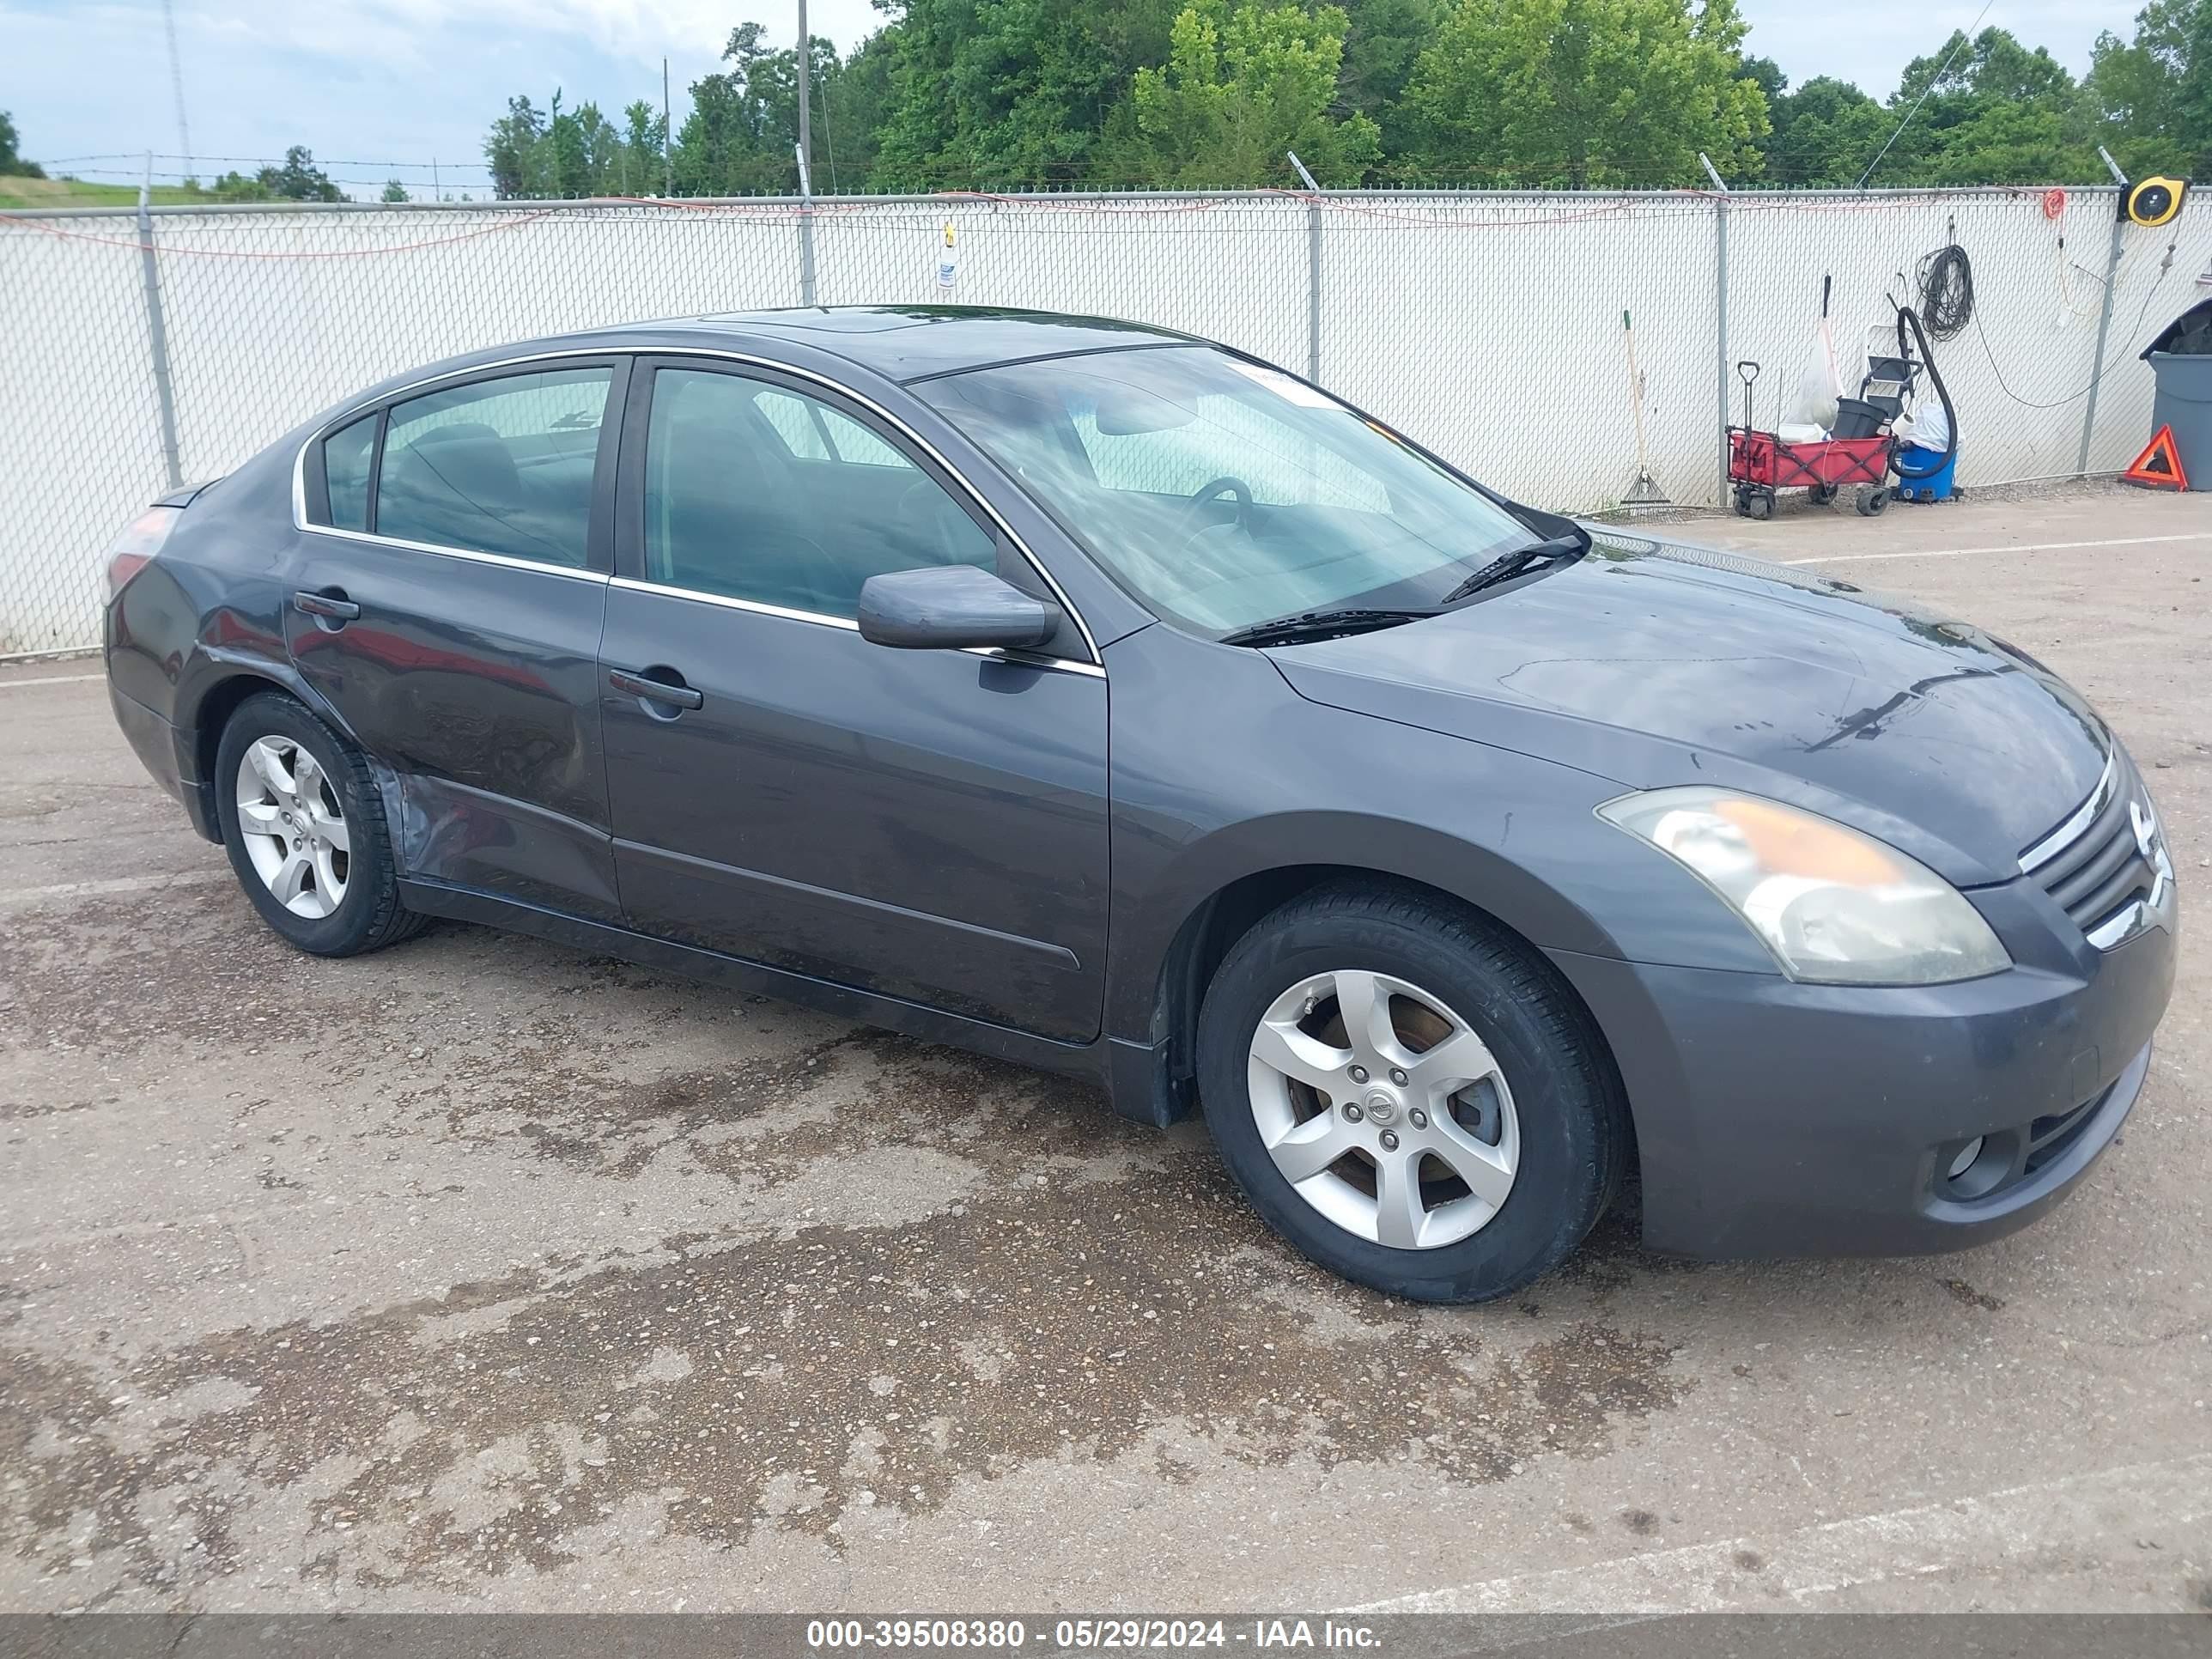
column 348, row 454
column 757, row 492
column 1225, row 494
column 497, row 466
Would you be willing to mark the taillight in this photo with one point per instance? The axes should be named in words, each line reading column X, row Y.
column 134, row 549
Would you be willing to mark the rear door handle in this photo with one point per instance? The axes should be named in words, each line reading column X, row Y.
column 322, row 604
column 653, row 690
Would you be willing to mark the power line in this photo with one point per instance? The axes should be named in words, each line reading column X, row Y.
column 1935, row 81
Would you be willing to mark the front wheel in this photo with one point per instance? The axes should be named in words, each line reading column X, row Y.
column 1409, row 1095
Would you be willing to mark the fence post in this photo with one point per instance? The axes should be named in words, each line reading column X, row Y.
column 158, row 334
column 1720, row 312
column 806, row 229
column 2104, row 327
column 1313, row 268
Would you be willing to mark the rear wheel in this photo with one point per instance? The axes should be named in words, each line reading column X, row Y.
column 1408, row 1095
column 1760, row 506
column 304, row 825
column 1872, row 499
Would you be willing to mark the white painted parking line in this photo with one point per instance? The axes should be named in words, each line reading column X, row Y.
column 68, row 890
column 1800, row 1566
column 53, row 679
column 2018, row 547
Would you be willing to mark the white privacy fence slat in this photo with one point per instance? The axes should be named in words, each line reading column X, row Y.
column 1488, row 325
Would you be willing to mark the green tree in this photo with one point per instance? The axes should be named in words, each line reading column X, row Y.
column 1381, row 48
column 12, row 164
column 1242, row 87
column 395, row 191
column 742, row 134
column 236, row 187
column 2151, row 97
column 512, row 151
column 852, row 104
column 1997, row 112
column 1586, row 93
column 1009, row 93
column 1825, row 134
column 298, row 180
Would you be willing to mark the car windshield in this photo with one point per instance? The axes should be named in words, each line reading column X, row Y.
column 1225, row 493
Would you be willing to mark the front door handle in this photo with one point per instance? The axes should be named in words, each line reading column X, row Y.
column 323, row 605
column 653, row 690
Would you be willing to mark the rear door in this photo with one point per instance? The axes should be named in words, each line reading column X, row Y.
column 929, row 825
column 449, row 603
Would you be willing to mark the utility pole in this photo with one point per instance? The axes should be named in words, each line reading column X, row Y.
column 667, row 138
column 805, row 75
column 177, row 85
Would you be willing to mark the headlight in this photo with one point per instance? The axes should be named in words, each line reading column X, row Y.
column 1836, row 907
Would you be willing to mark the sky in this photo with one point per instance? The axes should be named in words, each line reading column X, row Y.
column 383, row 87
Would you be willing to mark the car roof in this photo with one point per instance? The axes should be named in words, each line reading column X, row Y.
column 912, row 343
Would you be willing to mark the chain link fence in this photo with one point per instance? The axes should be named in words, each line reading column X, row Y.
column 1488, row 325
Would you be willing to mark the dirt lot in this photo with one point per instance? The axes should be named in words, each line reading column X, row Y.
column 480, row 1273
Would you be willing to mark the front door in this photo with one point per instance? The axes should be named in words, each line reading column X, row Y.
column 445, row 602
column 927, row 825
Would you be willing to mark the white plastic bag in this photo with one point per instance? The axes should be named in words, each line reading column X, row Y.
column 1821, row 383
column 1928, row 428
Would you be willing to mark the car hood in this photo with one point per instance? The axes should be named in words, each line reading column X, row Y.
column 1652, row 662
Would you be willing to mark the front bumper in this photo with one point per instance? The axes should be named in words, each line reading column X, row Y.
column 1779, row 1119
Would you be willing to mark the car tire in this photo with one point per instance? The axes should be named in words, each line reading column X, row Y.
column 1560, row 1093
column 332, row 850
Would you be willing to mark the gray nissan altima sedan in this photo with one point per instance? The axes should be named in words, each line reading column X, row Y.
column 1109, row 700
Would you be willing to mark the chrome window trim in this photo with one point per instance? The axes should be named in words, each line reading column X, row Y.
column 2076, row 822
column 827, row 619
column 731, row 602
column 355, row 411
column 574, row 572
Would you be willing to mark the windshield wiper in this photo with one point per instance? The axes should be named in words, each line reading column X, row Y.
column 1319, row 625
column 1506, row 568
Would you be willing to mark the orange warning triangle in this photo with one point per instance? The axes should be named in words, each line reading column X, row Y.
column 2160, row 466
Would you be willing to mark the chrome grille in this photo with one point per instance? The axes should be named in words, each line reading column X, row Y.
column 2105, row 860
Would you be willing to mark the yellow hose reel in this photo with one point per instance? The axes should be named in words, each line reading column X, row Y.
column 2151, row 203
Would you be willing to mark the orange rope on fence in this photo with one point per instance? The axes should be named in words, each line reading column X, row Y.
column 1611, row 206
column 133, row 242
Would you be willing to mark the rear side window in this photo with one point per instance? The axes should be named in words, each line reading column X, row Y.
column 497, row 466
column 348, row 454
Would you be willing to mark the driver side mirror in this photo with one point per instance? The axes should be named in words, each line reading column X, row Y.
column 952, row 607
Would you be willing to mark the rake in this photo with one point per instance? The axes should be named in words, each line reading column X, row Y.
column 1645, row 491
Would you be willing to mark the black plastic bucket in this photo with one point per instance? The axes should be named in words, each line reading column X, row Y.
column 1858, row 418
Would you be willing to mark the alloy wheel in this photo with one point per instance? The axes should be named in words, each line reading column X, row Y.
column 293, row 827
column 1383, row 1109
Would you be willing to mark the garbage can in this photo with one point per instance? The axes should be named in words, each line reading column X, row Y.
column 2181, row 359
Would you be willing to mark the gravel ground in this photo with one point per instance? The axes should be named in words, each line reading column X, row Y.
column 480, row 1273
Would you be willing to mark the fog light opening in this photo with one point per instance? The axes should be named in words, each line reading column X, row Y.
column 1965, row 1160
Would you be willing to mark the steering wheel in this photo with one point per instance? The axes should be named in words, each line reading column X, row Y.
column 1205, row 493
